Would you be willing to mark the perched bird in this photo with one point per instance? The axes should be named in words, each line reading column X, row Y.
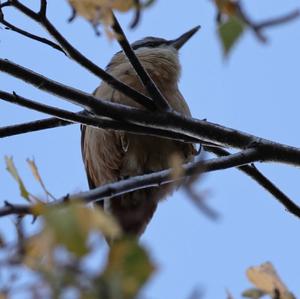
column 111, row 156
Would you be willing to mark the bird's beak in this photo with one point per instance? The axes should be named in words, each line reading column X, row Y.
column 181, row 40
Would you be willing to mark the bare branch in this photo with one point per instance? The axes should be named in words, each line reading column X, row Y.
column 137, row 15
column 168, row 121
column 136, row 96
column 156, row 179
column 258, row 27
column 43, row 8
column 43, row 40
column 278, row 21
column 262, row 180
column 198, row 201
column 5, row 4
column 32, row 126
column 149, row 84
column 113, row 190
column 12, row 209
column 64, row 117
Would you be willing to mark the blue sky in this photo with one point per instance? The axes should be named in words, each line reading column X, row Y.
column 257, row 90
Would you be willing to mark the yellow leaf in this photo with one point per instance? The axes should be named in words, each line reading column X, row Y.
column 11, row 168
column 228, row 7
column 39, row 250
column 266, row 279
column 38, row 177
column 100, row 10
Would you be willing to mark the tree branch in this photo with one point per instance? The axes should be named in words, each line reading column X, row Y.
column 156, row 179
column 258, row 177
column 258, row 27
column 279, row 20
column 32, row 126
column 149, row 84
column 80, row 117
column 73, row 53
column 43, row 40
column 137, row 15
column 168, row 121
column 64, row 117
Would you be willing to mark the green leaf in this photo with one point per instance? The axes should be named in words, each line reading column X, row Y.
column 11, row 168
column 67, row 228
column 127, row 270
column 230, row 32
column 253, row 293
column 72, row 223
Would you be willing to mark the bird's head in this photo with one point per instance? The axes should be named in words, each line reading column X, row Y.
column 152, row 43
column 159, row 56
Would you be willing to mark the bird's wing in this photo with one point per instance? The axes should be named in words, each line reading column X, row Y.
column 90, row 181
column 102, row 153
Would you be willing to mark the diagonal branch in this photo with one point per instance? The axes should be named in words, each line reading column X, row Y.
column 64, row 117
column 90, row 120
column 145, row 78
column 156, row 179
column 278, row 21
column 262, row 180
column 258, row 27
column 168, row 121
column 73, row 53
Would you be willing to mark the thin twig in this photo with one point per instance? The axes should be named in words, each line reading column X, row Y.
column 40, row 39
column 147, row 81
column 137, row 15
column 278, row 21
column 73, row 53
column 43, row 8
column 262, row 180
column 258, row 27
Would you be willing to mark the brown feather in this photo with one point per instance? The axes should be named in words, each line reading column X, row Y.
column 113, row 155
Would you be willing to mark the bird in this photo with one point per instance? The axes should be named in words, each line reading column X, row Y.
column 111, row 155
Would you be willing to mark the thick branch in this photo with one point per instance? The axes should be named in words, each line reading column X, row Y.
column 64, row 117
column 113, row 190
column 32, row 126
column 148, row 180
column 168, row 121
